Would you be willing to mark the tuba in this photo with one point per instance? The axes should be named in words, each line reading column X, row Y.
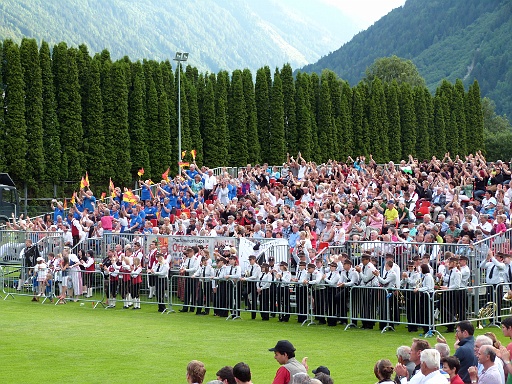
column 486, row 311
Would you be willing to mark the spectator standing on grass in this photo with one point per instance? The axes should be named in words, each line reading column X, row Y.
column 242, row 373
column 225, row 375
column 284, row 353
column 195, row 372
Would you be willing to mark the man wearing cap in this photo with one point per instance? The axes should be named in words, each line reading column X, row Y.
column 219, row 288
column 322, row 369
column 283, row 294
column 331, row 279
column 317, row 291
column 251, row 276
column 284, row 353
column 204, row 273
column 349, row 277
column 301, row 293
column 233, row 273
column 189, row 266
column 365, row 297
column 409, row 281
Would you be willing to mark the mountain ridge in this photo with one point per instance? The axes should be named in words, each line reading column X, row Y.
column 218, row 34
column 442, row 38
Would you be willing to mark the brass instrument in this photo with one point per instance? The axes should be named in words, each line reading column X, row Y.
column 401, row 298
column 486, row 311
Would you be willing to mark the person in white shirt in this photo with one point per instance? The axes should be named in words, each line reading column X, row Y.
column 251, row 276
column 188, row 268
column 161, row 271
column 283, row 278
column 204, row 273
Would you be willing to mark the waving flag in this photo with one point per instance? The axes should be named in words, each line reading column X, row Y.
column 73, row 198
column 65, row 204
column 183, row 153
column 141, row 172
column 82, row 183
column 86, row 181
column 193, row 153
column 165, row 175
column 129, row 197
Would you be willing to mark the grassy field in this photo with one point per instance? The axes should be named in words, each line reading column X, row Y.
column 78, row 344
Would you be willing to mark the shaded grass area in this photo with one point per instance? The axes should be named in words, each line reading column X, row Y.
column 78, row 344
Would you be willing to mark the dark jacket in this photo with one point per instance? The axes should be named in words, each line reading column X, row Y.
column 467, row 357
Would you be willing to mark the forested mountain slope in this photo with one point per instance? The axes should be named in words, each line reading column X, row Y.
column 219, row 34
column 446, row 39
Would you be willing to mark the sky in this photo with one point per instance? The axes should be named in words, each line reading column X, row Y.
column 364, row 13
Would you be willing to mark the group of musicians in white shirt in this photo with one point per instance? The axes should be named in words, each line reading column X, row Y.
column 323, row 292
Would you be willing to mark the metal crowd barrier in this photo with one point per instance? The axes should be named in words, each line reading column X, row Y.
column 13, row 242
column 18, row 280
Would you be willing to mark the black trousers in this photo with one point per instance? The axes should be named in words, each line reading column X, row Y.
column 221, row 298
column 265, row 304
column 251, row 302
column 204, row 296
column 283, row 300
column 161, row 285
column 301, row 297
column 190, row 293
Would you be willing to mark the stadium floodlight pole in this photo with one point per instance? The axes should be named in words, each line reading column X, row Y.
column 179, row 57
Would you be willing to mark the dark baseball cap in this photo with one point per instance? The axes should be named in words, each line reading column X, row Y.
column 283, row 346
column 322, row 369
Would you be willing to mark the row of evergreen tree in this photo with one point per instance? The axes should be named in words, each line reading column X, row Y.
column 66, row 112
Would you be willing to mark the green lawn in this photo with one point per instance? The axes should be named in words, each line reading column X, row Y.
column 78, row 344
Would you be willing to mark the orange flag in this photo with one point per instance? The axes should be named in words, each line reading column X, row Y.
column 103, row 195
column 86, row 181
column 193, row 153
column 141, row 172
column 165, row 175
column 111, row 185
column 82, row 183
column 73, row 198
column 183, row 153
column 65, row 203
column 129, row 197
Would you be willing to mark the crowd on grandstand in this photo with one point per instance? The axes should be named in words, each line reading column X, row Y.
column 413, row 225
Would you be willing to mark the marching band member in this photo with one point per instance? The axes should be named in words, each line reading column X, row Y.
column 348, row 278
column 219, row 288
column 301, row 292
column 160, row 271
column 88, row 263
column 387, row 300
column 113, row 271
column 464, row 284
column 450, row 301
column 125, row 281
column 283, row 294
column 188, row 268
column 233, row 274
column 136, row 282
column 409, row 281
column 204, row 273
column 251, row 275
column 152, row 260
column 426, row 289
column 366, row 298
column 264, row 284
column 331, row 279
column 495, row 275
